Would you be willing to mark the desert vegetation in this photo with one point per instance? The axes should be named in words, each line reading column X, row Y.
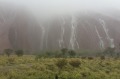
column 63, row 64
column 27, row 67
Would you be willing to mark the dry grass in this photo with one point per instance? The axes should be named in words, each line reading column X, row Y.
column 26, row 67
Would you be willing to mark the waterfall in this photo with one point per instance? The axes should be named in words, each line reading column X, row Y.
column 42, row 37
column 111, row 40
column 73, row 40
column 100, row 38
column 61, row 41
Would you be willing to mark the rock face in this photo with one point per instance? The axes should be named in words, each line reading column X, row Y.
column 91, row 31
column 81, row 31
column 18, row 29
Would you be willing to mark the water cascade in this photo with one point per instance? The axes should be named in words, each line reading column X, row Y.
column 111, row 41
column 101, row 43
column 61, row 41
column 73, row 40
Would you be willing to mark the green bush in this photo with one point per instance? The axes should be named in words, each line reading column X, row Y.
column 109, row 51
column 64, row 51
column 90, row 58
column 19, row 52
column 75, row 63
column 72, row 53
column 8, row 52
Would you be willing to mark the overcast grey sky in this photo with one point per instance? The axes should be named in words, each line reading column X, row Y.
column 65, row 6
column 68, row 3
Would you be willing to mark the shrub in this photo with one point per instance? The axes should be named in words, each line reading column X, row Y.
column 8, row 52
column 109, row 51
column 64, row 51
column 61, row 63
column 75, row 63
column 90, row 58
column 19, row 52
column 72, row 53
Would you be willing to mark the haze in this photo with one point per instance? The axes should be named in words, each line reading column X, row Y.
column 52, row 7
column 55, row 24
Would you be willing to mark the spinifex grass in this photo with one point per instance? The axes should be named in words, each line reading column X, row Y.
column 27, row 67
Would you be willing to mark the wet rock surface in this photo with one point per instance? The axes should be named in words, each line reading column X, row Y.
column 83, row 31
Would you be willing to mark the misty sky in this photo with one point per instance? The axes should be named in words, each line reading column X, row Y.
column 65, row 6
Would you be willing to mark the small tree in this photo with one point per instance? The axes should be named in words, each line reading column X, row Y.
column 19, row 52
column 72, row 53
column 8, row 52
column 109, row 51
column 64, row 51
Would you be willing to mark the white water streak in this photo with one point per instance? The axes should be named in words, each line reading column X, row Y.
column 100, row 38
column 111, row 41
column 73, row 40
column 61, row 41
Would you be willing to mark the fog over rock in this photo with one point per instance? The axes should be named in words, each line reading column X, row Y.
column 85, row 30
